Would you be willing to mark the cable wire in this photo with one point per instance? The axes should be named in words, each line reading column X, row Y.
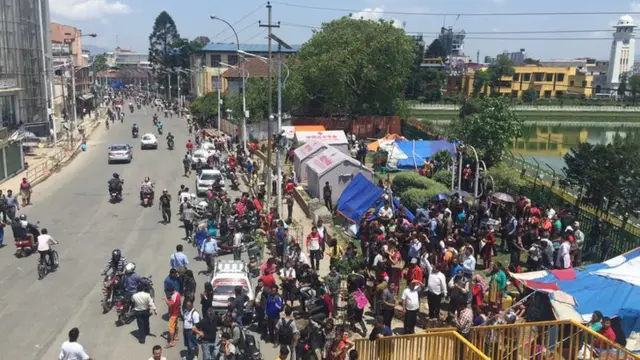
column 238, row 21
column 240, row 31
column 539, row 39
column 254, row 36
column 570, row 13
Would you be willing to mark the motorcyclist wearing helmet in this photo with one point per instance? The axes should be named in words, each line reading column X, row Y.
column 116, row 264
column 134, row 129
column 131, row 279
column 115, row 184
column 155, row 118
column 146, row 188
column 169, row 136
column 23, row 230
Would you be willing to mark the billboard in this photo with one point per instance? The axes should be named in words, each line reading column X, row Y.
column 61, row 49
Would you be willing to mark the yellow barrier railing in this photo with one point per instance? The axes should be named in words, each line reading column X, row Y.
column 546, row 340
column 436, row 346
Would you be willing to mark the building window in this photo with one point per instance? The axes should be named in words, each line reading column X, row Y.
column 560, row 77
column 526, row 77
column 232, row 59
column 215, row 60
column 516, row 77
column 8, row 114
column 548, row 77
column 538, row 76
column 547, row 94
column 584, row 84
column 572, row 83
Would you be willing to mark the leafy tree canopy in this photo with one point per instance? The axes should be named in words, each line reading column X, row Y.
column 355, row 67
column 162, row 55
column 435, row 50
column 634, row 87
column 205, row 106
column 100, row 63
column 488, row 124
column 503, row 66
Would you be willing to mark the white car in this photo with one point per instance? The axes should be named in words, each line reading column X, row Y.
column 200, row 155
column 158, row 102
column 207, row 178
column 226, row 276
column 148, row 141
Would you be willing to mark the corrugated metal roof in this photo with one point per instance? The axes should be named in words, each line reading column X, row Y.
column 250, row 48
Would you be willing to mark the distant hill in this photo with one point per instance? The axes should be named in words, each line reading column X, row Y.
column 95, row 50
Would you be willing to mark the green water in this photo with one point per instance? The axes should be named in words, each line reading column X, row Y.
column 548, row 144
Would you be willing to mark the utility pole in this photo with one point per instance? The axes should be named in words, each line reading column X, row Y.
column 218, row 88
column 73, row 101
column 169, row 84
column 179, row 93
column 278, row 149
column 269, row 182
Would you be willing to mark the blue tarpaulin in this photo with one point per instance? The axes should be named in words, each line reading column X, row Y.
column 360, row 196
column 417, row 151
column 612, row 287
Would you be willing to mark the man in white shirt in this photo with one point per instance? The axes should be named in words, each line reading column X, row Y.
column 579, row 236
column 468, row 263
column 72, row 350
column 411, row 306
column 44, row 247
column 563, row 260
column 142, row 306
column 157, row 353
column 385, row 213
column 191, row 318
column 237, row 245
column 436, row 290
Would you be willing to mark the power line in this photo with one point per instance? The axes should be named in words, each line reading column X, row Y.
column 570, row 13
column 539, row 39
column 239, row 31
column 237, row 22
column 478, row 32
column 255, row 36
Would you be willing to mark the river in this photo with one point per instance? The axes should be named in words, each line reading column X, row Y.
column 548, row 144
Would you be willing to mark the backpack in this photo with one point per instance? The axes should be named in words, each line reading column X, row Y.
column 241, row 342
column 285, row 334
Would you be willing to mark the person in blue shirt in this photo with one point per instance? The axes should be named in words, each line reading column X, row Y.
column 159, row 125
column 174, row 280
column 273, row 307
column 456, row 266
column 178, row 259
column 208, row 250
column 200, row 235
column 379, row 329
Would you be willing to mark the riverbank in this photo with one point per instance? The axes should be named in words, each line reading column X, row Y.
column 547, row 118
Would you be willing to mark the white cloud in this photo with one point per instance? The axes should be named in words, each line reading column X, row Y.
column 374, row 14
column 635, row 7
column 87, row 9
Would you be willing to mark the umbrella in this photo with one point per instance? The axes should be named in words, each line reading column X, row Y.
column 503, row 197
column 440, row 197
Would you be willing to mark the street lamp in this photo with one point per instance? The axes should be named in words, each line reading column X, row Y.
column 73, row 83
column 238, row 49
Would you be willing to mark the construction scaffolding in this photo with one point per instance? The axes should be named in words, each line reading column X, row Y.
column 23, row 60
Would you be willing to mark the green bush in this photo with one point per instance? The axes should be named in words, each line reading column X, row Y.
column 346, row 266
column 506, row 179
column 415, row 198
column 410, row 180
column 443, row 177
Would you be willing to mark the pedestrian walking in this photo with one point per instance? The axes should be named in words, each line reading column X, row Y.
column 142, row 307
column 206, row 330
column 12, row 205
column 71, row 349
column 25, row 192
column 173, row 303
column 288, row 332
column 326, row 196
column 3, row 206
column 237, row 245
column 273, row 308
column 191, row 319
column 157, row 353
column 411, row 306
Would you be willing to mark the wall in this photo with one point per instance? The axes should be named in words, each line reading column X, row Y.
column 363, row 126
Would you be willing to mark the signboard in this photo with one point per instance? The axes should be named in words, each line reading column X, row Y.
column 327, row 137
column 60, row 49
column 215, row 83
column 8, row 83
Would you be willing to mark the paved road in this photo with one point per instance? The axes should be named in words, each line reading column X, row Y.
column 73, row 205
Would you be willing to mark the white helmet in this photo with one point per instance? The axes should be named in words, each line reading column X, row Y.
column 130, row 267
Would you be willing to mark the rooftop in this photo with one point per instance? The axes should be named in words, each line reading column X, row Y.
column 250, row 48
column 255, row 68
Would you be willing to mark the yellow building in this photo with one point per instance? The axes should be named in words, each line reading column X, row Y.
column 207, row 63
column 548, row 81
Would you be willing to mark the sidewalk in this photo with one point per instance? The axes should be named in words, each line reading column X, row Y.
column 42, row 162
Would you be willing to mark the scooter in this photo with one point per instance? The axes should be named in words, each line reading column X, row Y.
column 25, row 247
column 134, row 133
column 146, row 200
column 159, row 131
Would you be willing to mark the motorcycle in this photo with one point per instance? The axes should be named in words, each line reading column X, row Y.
column 134, row 133
column 109, row 288
column 155, row 121
column 124, row 308
column 25, row 247
column 159, row 131
column 131, row 108
column 170, row 144
column 147, row 200
column 139, row 106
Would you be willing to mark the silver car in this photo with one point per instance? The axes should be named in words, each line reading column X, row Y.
column 207, row 178
column 120, row 153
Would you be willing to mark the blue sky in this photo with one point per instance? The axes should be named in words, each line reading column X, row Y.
column 128, row 22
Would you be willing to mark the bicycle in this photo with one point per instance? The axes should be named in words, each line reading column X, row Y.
column 44, row 268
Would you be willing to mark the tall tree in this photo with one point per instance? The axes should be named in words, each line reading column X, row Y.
column 162, row 55
column 435, row 50
column 204, row 40
column 622, row 87
column 634, row 87
column 530, row 95
column 488, row 124
column 355, row 67
column 413, row 81
column 430, row 84
column 182, row 50
column 100, row 63
column 481, row 81
column 503, row 66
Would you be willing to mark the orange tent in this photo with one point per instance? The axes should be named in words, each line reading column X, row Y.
column 391, row 137
column 310, row 128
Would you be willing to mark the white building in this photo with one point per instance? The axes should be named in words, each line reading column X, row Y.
column 623, row 50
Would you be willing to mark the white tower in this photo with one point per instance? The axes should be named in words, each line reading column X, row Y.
column 623, row 50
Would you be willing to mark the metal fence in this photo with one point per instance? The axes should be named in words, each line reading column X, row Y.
column 550, row 108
